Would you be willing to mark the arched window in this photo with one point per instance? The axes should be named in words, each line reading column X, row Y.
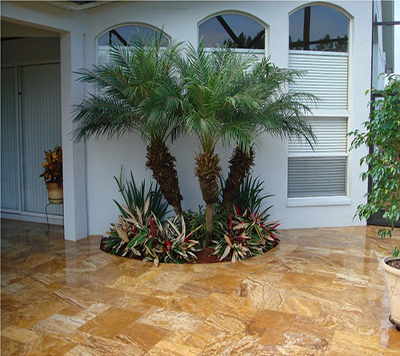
column 318, row 28
column 234, row 30
column 122, row 36
column 318, row 46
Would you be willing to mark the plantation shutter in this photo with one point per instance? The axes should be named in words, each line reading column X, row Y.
column 331, row 134
column 324, row 75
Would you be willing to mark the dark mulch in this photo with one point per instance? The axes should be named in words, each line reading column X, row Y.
column 394, row 264
column 206, row 256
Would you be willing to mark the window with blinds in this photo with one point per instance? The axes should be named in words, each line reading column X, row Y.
column 320, row 53
column 321, row 172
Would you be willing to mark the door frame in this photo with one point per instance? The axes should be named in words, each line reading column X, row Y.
column 19, row 214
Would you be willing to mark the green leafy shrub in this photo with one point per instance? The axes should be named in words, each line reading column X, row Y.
column 383, row 134
column 247, row 234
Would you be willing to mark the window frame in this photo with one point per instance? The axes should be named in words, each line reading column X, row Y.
column 338, row 113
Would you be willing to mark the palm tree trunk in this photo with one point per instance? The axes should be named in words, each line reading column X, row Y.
column 208, row 171
column 240, row 166
column 162, row 164
column 209, row 224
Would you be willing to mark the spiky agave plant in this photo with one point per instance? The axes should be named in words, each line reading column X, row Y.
column 126, row 89
column 212, row 95
column 278, row 110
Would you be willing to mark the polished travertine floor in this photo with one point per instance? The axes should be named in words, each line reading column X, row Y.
column 321, row 292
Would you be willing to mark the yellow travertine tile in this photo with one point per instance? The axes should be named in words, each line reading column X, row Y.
column 320, row 292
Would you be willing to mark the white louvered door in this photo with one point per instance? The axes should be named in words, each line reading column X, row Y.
column 40, row 130
column 30, row 124
column 9, row 148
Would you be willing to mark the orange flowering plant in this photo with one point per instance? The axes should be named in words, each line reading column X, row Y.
column 52, row 166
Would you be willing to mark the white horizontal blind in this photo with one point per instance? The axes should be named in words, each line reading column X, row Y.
column 331, row 133
column 325, row 76
column 316, row 176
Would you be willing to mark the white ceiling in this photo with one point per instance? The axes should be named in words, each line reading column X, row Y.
column 11, row 29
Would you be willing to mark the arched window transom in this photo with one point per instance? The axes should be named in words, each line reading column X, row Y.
column 122, row 36
column 234, row 30
column 318, row 28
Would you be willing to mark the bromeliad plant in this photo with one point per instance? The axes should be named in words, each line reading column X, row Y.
column 194, row 219
column 143, row 231
column 246, row 231
column 143, row 235
column 248, row 234
column 249, row 195
column 52, row 166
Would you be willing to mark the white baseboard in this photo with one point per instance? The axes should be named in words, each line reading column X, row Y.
column 37, row 219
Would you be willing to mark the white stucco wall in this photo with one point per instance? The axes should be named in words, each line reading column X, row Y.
column 102, row 158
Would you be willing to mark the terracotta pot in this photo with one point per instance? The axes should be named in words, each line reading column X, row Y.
column 55, row 193
column 393, row 282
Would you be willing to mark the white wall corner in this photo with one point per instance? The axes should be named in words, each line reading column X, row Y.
column 74, row 155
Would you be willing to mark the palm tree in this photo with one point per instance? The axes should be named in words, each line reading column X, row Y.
column 126, row 89
column 279, row 113
column 212, row 96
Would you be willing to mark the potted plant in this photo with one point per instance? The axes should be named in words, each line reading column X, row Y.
column 53, row 174
column 383, row 136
